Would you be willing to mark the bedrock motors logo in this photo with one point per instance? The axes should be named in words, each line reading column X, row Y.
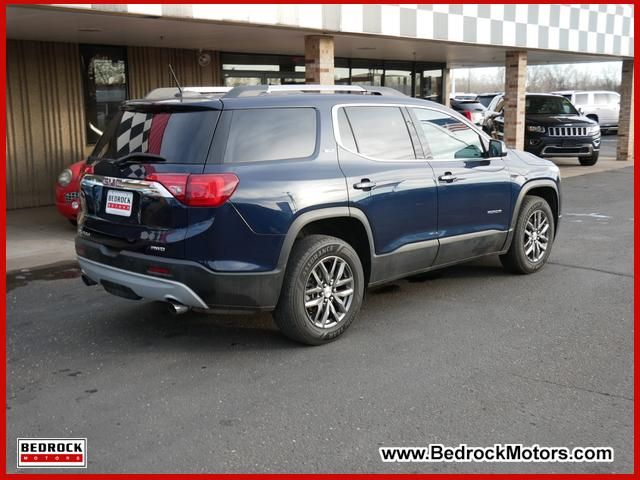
column 52, row 453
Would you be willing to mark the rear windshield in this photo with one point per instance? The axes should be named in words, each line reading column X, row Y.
column 176, row 136
column 469, row 106
column 485, row 99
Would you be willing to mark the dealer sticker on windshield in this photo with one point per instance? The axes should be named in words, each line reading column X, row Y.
column 119, row 203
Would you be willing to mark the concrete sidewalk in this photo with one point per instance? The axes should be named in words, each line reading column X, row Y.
column 37, row 237
column 40, row 236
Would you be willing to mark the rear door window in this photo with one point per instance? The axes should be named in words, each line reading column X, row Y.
column 263, row 134
column 176, row 136
column 380, row 132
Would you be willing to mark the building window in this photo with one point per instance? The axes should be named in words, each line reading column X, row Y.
column 429, row 84
column 104, row 74
column 416, row 79
column 240, row 69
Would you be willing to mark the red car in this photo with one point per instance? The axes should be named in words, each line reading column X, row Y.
column 67, row 187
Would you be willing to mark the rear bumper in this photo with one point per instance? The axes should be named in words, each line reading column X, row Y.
column 189, row 283
column 143, row 286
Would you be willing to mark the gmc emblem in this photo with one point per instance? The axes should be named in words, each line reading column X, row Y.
column 111, row 182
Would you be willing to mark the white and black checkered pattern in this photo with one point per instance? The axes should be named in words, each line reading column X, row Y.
column 591, row 29
column 133, row 133
column 134, row 171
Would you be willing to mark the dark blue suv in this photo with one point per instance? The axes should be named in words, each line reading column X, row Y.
column 295, row 199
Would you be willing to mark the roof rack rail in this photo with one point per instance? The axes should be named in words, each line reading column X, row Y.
column 256, row 90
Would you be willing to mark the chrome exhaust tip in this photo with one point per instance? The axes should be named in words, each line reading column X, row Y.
column 177, row 308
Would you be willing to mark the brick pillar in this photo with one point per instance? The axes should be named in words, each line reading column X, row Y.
column 446, row 86
column 515, row 84
column 625, row 121
column 318, row 59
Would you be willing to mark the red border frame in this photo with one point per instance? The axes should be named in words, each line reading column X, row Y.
column 3, row 353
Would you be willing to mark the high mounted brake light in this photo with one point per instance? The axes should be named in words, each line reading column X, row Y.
column 198, row 190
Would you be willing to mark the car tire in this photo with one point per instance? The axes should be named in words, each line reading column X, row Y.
column 535, row 224
column 307, row 311
column 590, row 160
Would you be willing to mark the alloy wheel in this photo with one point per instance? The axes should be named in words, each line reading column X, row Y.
column 536, row 236
column 328, row 292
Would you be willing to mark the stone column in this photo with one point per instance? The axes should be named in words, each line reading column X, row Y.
column 514, row 87
column 625, row 121
column 446, row 86
column 318, row 59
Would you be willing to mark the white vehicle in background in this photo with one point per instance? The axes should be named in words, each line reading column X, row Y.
column 599, row 105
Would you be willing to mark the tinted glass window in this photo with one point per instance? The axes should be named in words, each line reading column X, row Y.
column 264, row 134
column 582, row 98
column 447, row 136
column 466, row 106
column 178, row 137
column 381, row 132
column 543, row 105
column 346, row 135
column 605, row 98
column 104, row 77
column 496, row 104
column 485, row 99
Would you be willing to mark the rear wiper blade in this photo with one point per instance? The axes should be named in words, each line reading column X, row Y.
column 147, row 158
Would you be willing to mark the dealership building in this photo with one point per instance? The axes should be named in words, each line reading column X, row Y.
column 70, row 66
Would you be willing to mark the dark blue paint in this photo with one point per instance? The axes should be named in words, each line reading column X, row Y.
column 246, row 234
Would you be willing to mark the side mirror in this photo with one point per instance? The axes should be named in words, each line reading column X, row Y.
column 580, row 111
column 497, row 148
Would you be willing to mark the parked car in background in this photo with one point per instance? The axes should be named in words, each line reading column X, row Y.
column 553, row 127
column 67, row 188
column 486, row 98
column 295, row 199
column 471, row 109
column 599, row 105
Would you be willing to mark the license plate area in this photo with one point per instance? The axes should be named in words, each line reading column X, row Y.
column 119, row 202
column 569, row 143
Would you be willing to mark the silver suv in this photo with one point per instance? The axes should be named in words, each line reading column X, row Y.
column 599, row 105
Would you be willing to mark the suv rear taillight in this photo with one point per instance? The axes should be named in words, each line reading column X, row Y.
column 204, row 190
column 467, row 114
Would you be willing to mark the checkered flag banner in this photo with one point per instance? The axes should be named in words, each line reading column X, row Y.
column 133, row 133
column 135, row 171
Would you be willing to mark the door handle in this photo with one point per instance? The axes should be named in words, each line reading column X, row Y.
column 364, row 184
column 447, row 178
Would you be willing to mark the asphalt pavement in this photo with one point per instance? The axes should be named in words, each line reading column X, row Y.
column 467, row 355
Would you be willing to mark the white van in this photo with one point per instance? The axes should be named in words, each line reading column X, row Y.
column 599, row 105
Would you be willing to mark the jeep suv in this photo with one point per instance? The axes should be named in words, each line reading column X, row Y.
column 553, row 127
column 295, row 199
